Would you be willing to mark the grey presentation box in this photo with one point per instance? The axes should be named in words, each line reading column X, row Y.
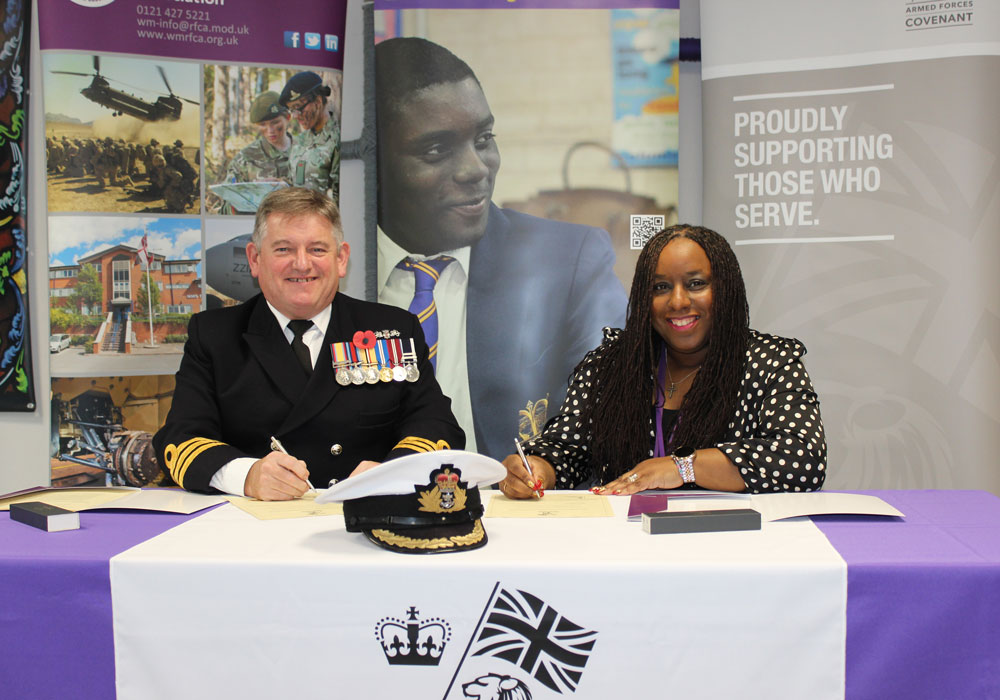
column 701, row 521
column 44, row 516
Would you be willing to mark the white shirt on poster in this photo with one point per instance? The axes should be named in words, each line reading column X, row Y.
column 396, row 287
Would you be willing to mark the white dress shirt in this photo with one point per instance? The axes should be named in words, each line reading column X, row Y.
column 233, row 474
column 396, row 287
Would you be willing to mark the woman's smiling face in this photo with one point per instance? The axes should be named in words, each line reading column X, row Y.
column 682, row 300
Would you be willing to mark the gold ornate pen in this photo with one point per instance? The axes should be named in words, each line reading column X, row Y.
column 278, row 447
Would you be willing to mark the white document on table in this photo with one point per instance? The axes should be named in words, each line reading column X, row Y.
column 164, row 500
column 780, row 506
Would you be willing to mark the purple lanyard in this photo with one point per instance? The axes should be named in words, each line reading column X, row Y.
column 661, row 373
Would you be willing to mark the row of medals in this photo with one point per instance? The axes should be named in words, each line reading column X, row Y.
column 371, row 372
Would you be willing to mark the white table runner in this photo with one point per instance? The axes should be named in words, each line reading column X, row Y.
column 229, row 606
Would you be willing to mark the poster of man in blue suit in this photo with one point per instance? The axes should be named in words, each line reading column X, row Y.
column 515, row 300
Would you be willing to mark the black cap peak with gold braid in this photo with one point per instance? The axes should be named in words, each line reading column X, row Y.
column 424, row 503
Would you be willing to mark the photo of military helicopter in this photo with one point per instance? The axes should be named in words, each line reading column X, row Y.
column 116, row 144
column 167, row 106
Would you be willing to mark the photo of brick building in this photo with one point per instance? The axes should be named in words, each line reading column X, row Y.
column 108, row 301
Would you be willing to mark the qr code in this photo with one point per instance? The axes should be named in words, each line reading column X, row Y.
column 642, row 227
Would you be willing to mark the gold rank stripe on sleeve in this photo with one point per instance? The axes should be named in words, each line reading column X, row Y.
column 419, row 444
column 180, row 457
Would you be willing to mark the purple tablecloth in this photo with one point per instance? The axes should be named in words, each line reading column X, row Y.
column 923, row 599
column 923, row 596
column 55, row 603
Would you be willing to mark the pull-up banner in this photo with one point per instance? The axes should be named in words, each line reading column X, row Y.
column 164, row 129
column 851, row 155
column 535, row 145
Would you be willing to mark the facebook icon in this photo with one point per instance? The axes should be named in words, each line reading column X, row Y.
column 312, row 41
column 292, row 40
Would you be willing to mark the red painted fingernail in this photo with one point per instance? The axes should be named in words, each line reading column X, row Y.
column 616, row 492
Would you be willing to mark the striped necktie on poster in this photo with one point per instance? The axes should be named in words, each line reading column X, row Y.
column 425, row 275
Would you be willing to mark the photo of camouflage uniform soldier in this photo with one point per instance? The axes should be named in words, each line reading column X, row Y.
column 122, row 150
column 314, row 159
column 56, row 155
column 88, row 150
column 104, row 162
column 74, row 162
column 266, row 158
column 180, row 179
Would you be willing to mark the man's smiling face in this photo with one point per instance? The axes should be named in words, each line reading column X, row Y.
column 438, row 162
column 299, row 264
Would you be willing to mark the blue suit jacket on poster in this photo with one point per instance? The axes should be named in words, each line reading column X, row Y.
column 540, row 291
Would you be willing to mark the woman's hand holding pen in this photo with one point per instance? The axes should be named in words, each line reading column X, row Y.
column 277, row 477
column 519, row 484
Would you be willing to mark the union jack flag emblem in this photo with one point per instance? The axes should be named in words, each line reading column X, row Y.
column 530, row 633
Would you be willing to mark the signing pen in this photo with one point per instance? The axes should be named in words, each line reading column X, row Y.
column 278, row 447
column 524, row 460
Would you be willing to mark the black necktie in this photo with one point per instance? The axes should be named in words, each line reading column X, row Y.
column 299, row 328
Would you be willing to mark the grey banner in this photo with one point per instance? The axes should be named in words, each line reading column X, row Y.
column 864, row 206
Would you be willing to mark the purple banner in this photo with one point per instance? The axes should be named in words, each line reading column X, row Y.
column 294, row 34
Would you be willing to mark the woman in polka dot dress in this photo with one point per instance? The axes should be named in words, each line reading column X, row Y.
column 687, row 394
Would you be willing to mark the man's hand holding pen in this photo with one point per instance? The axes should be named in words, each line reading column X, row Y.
column 277, row 477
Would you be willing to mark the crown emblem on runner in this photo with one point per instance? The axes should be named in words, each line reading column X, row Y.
column 413, row 642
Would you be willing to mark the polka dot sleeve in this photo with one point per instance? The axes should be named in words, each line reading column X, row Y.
column 776, row 439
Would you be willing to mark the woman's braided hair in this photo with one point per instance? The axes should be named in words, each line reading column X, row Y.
column 625, row 374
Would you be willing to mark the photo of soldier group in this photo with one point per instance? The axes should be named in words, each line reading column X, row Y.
column 267, row 128
column 102, row 429
column 113, row 146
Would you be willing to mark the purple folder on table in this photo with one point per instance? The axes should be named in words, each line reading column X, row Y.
column 640, row 503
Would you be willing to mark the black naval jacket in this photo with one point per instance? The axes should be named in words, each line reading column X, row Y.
column 239, row 383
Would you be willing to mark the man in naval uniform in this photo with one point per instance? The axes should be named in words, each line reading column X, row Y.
column 314, row 160
column 265, row 369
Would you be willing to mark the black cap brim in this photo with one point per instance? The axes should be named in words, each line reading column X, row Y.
column 432, row 539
